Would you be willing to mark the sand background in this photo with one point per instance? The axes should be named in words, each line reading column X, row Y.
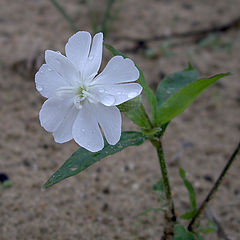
column 103, row 202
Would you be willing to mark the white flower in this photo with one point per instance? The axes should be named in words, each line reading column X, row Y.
column 78, row 100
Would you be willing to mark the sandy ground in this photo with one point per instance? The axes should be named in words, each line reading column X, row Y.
column 104, row 201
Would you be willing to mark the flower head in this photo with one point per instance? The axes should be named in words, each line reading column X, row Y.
column 80, row 101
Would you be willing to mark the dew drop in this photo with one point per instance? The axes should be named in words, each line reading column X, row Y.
column 83, row 130
column 39, row 88
column 109, row 100
column 132, row 94
column 101, row 90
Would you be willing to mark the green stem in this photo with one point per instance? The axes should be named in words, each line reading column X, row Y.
column 214, row 189
column 103, row 27
column 170, row 217
column 148, row 121
column 64, row 14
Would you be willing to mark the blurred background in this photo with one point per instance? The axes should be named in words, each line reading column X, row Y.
column 104, row 202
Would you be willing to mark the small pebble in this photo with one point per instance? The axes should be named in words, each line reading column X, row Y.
column 106, row 190
column 135, row 186
column 236, row 191
column 3, row 177
column 208, row 178
column 105, row 207
column 45, row 146
column 126, row 168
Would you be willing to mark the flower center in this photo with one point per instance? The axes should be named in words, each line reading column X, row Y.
column 79, row 94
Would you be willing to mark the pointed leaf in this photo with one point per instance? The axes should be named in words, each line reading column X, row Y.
column 151, row 210
column 211, row 227
column 191, row 193
column 180, row 233
column 134, row 110
column 199, row 236
column 139, row 117
column 188, row 215
column 131, row 104
column 82, row 158
column 180, row 100
column 175, row 82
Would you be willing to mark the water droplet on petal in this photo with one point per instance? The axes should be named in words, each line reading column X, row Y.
column 83, row 130
column 101, row 90
column 39, row 88
column 91, row 58
column 132, row 94
column 119, row 93
column 108, row 100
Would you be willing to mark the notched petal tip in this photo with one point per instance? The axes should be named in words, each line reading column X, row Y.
column 79, row 36
column 99, row 35
column 50, row 53
column 118, row 70
column 134, row 68
column 77, row 48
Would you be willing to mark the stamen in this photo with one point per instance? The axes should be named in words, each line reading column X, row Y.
column 90, row 97
column 77, row 101
column 62, row 91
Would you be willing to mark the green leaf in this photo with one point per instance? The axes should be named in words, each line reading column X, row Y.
column 188, row 215
column 158, row 188
column 180, row 100
column 139, row 117
column 151, row 210
column 199, row 236
column 5, row 184
column 131, row 104
column 211, row 227
column 191, row 193
column 180, row 233
column 175, row 82
column 134, row 110
column 152, row 100
column 82, row 158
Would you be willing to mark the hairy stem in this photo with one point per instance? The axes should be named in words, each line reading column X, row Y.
column 170, row 216
column 214, row 189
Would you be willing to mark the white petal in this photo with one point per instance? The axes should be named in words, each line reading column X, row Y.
column 120, row 92
column 53, row 112
column 95, row 57
column 86, row 131
column 47, row 81
column 106, row 99
column 118, row 70
column 110, row 121
column 59, row 63
column 77, row 48
column 64, row 131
